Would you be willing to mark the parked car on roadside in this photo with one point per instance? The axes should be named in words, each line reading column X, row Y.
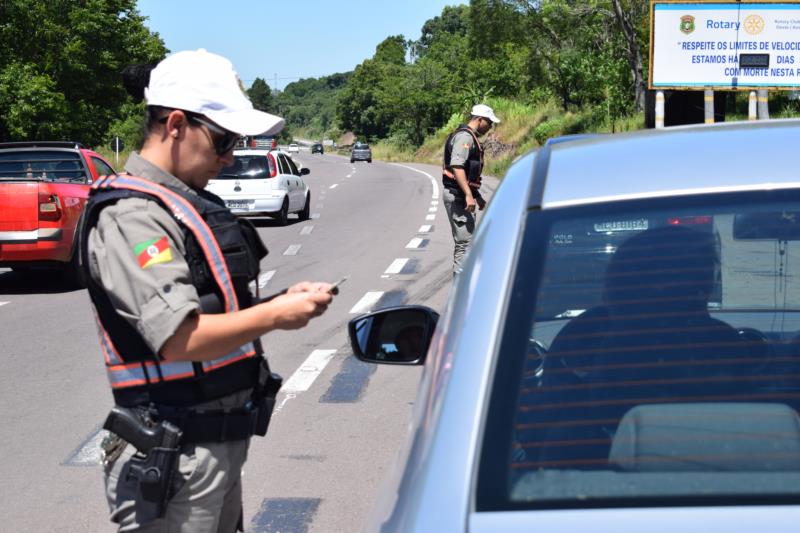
column 294, row 149
column 662, row 393
column 264, row 183
column 361, row 152
column 43, row 190
column 317, row 148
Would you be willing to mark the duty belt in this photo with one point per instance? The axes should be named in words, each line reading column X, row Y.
column 214, row 426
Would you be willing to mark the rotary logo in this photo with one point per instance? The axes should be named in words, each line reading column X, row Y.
column 754, row 24
column 687, row 24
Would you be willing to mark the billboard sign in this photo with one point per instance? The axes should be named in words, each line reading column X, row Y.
column 724, row 45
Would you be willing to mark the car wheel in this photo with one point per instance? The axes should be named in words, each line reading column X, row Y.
column 305, row 214
column 369, row 160
column 72, row 274
column 283, row 214
column 352, row 160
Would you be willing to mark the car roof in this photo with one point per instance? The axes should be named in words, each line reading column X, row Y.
column 255, row 151
column 665, row 162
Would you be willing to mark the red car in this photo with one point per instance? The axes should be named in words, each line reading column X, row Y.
column 43, row 190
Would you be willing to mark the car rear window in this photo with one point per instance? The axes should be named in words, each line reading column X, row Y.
column 50, row 165
column 248, row 167
column 650, row 357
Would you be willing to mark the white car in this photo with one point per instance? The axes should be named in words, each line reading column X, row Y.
column 294, row 149
column 263, row 183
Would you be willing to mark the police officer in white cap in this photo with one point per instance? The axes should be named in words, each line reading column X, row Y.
column 169, row 270
column 461, row 176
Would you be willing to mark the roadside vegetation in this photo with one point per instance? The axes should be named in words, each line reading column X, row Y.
column 547, row 67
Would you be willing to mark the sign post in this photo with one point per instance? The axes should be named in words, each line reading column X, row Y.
column 117, row 145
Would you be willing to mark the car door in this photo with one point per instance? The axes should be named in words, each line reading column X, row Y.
column 298, row 188
column 291, row 180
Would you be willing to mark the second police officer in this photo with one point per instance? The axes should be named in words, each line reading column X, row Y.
column 461, row 177
column 168, row 270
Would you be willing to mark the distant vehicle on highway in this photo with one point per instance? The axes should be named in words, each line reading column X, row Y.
column 361, row 152
column 658, row 390
column 317, row 148
column 264, row 183
column 43, row 190
column 293, row 148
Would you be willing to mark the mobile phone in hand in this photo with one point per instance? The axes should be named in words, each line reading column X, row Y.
column 335, row 287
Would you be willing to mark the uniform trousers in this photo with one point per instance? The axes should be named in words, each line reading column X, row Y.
column 462, row 223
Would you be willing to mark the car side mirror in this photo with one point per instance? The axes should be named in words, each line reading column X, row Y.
column 397, row 335
column 305, row 171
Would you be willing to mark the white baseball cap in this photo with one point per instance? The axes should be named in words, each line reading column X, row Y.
column 483, row 110
column 205, row 83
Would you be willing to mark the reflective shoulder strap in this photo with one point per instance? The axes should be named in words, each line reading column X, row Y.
column 185, row 213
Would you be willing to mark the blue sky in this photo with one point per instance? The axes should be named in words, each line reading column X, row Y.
column 290, row 39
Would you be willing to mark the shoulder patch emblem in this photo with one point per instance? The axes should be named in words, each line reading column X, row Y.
column 466, row 145
column 152, row 252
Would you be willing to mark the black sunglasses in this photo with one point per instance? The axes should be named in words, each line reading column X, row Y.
column 224, row 140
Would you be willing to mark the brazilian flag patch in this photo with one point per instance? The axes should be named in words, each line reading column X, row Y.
column 153, row 252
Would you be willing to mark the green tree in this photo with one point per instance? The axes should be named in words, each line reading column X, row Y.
column 261, row 95
column 74, row 53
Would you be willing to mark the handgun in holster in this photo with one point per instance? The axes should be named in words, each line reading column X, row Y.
column 264, row 394
column 154, row 470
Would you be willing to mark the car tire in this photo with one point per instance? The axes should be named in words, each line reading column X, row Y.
column 72, row 274
column 369, row 160
column 305, row 214
column 283, row 214
column 352, row 160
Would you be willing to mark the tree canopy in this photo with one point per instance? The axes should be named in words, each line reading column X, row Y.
column 60, row 64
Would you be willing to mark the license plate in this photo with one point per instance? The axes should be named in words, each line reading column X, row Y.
column 237, row 204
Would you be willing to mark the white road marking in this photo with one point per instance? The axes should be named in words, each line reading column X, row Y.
column 397, row 265
column 264, row 278
column 366, row 302
column 292, row 249
column 304, row 376
column 90, row 453
column 414, row 243
column 432, row 210
column 434, row 203
column 306, row 230
column 424, row 229
column 333, row 186
column 430, row 217
column 434, row 183
column 315, row 215
column 4, row 303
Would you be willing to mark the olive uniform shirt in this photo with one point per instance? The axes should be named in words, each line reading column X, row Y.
column 153, row 296
column 461, row 145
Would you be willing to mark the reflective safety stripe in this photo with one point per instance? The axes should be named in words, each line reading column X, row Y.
column 154, row 371
column 186, row 214
column 243, row 352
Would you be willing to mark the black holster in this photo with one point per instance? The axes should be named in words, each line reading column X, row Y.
column 264, row 394
column 154, row 466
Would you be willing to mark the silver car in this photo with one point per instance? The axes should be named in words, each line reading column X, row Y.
column 622, row 349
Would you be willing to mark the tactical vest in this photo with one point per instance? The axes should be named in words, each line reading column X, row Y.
column 223, row 255
column 473, row 167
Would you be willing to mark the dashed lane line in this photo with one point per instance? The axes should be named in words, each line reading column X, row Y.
column 306, row 230
column 292, row 249
column 304, row 376
column 264, row 278
column 366, row 302
column 414, row 243
column 4, row 303
column 426, row 228
column 333, row 186
column 397, row 265
column 432, row 209
column 430, row 217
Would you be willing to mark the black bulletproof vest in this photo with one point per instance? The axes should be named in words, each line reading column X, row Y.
column 242, row 250
column 474, row 164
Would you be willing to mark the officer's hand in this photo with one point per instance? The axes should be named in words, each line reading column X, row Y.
column 308, row 286
column 295, row 309
column 471, row 203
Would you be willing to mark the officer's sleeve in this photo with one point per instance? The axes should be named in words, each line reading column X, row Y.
column 136, row 253
column 462, row 144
